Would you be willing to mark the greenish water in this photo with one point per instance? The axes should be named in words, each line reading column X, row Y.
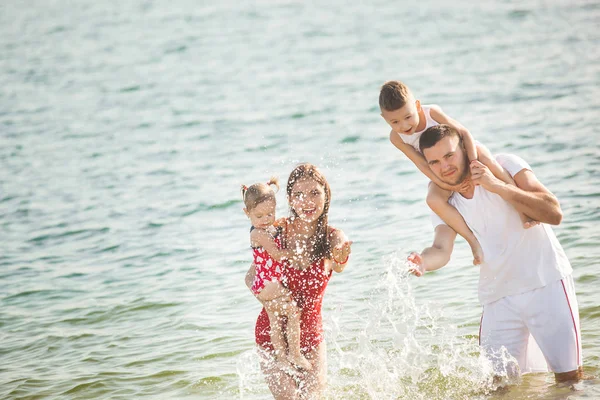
column 127, row 127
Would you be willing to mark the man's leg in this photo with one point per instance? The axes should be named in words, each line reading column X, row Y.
column 504, row 337
column 553, row 319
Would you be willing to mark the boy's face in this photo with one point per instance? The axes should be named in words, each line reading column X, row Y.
column 404, row 120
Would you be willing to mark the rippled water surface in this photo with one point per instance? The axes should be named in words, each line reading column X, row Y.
column 127, row 127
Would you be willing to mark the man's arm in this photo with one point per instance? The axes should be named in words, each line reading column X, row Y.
column 529, row 196
column 436, row 256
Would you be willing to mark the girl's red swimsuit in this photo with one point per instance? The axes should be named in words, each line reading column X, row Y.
column 307, row 287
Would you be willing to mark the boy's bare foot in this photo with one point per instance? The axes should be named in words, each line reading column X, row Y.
column 300, row 361
column 530, row 223
column 477, row 253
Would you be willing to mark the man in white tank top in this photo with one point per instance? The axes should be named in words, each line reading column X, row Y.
column 525, row 282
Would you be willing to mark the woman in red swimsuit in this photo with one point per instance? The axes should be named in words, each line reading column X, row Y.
column 318, row 250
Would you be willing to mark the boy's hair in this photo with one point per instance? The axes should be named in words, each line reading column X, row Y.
column 258, row 193
column 393, row 95
column 434, row 134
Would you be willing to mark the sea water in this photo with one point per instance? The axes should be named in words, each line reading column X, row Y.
column 127, row 129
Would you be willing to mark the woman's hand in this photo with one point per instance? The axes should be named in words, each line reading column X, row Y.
column 341, row 252
column 280, row 305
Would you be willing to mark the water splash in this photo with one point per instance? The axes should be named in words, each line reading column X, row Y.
column 400, row 350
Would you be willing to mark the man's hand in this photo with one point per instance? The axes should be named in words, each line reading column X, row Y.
column 481, row 175
column 415, row 262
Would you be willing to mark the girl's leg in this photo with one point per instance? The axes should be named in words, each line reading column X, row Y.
column 277, row 338
column 486, row 158
column 293, row 337
column 271, row 292
column 315, row 382
column 437, row 200
column 281, row 384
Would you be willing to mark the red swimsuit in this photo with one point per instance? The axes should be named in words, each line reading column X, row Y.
column 307, row 287
column 267, row 268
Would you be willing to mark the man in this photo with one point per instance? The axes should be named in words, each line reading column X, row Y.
column 525, row 283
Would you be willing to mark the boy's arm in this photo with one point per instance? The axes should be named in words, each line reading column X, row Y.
column 474, row 151
column 261, row 238
column 418, row 159
column 436, row 256
column 487, row 159
column 440, row 117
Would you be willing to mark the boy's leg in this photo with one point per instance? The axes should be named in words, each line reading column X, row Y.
column 437, row 200
column 553, row 319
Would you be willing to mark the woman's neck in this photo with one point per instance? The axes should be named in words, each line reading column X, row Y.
column 304, row 228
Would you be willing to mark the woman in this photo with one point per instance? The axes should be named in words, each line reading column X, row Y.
column 318, row 249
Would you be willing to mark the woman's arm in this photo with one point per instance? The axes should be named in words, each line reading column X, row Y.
column 341, row 248
column 250, row 275
column 261, row 238
column 417, row 159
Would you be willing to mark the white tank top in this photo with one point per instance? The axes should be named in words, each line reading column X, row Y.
column 517, row 260
column 413, row 139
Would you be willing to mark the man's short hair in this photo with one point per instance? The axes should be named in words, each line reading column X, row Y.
column 393, row 95
column 433, row 135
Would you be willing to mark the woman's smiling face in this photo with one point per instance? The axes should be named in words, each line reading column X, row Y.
column 308, row 199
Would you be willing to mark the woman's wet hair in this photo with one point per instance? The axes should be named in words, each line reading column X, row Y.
column 255, row 194
column 322, row 247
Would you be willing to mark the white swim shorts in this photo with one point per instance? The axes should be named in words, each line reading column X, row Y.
column 539, row 328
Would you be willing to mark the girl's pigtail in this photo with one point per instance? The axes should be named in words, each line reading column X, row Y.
column 274, row 181
column 244, row 189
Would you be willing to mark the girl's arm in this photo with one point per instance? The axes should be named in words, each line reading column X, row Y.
column 418, row 159
column 261, row 238
column 474, row 151
column 341, row 248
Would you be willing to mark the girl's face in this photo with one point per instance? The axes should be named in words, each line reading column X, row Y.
column 308, row 199
column 263, row 215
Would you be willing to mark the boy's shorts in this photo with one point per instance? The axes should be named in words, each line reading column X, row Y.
column 539, row 328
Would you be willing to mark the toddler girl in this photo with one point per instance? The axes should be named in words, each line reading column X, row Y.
column 259, row 201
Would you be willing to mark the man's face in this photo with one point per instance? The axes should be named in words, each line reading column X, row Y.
column 447, row 160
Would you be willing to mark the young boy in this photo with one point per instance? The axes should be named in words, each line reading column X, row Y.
column 408, row 120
